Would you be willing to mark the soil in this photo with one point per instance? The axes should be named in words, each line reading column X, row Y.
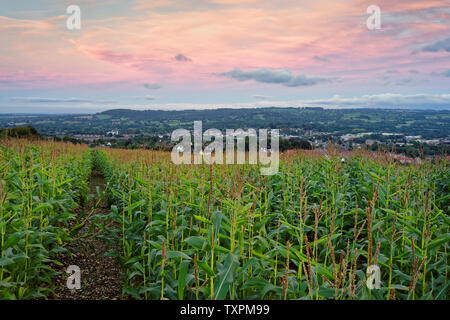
column 100, row 274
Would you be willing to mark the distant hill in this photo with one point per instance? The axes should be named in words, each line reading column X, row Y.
column 210, row 114
column 207, row 112
column 427, row 123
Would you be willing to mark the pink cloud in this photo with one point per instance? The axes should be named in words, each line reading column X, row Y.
column 256, row 34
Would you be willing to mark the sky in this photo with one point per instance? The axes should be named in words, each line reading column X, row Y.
column 206, row 54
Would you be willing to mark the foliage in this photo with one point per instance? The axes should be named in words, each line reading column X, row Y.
column 225, row 231
column 40, row 185
column 309, row 232
column 20, row 132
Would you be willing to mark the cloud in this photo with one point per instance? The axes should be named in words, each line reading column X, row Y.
column 146, row 98
column 233, row 2
column 134, row 60
column 292, row 35
column 320, row 59
column 111, row 56
column 182, row 58
column 402, row 82
column 392, row 71
column 281, row 76
column 386, row 100
column 152, row 86
column 58, row 100
column 261, row 97
column 443, row 45
column 442, row 74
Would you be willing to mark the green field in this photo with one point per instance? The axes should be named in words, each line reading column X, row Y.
column 226, row 232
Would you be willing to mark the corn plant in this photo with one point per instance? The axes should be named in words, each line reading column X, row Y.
column 309, row 232
column 40, row 185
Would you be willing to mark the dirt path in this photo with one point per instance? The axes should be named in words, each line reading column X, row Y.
column 100, row 274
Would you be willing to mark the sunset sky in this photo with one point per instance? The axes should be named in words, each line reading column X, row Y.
column 194, row 54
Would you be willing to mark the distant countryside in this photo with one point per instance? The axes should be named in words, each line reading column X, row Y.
column 411, row 133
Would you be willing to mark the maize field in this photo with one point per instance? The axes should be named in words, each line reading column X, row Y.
column 213, row 232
